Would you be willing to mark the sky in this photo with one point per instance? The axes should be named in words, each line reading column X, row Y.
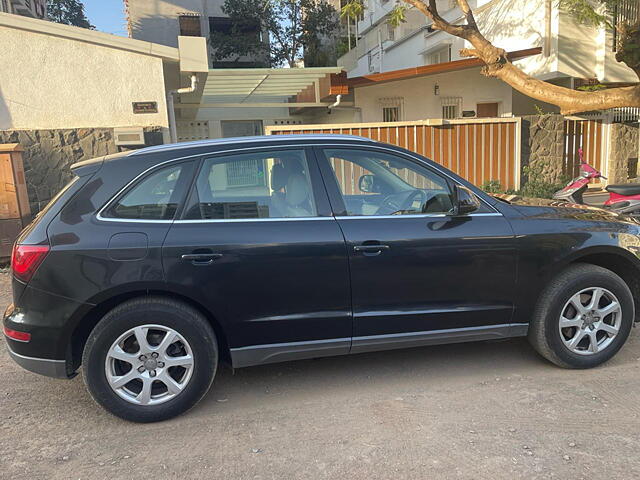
column 106, row 15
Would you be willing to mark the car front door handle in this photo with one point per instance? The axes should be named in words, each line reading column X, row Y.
column 370, row 250
column 201, row 258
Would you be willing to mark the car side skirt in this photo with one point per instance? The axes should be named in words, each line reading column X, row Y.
column 282, row 352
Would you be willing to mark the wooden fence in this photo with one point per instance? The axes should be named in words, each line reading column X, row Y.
column 478, row 150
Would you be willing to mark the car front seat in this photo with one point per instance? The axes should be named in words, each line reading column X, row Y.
column 297, row 196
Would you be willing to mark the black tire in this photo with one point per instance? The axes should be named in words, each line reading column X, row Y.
column 544, row 334
column 182, row 318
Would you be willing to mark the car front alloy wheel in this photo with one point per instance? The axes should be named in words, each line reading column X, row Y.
column 590, row 321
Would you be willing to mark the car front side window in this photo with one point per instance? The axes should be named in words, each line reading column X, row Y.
column 375, row 183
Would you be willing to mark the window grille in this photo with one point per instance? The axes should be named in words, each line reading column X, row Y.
column 624, row 12
column 451, row 107
column 246, row 173
column 190, row 26
column 392, row 108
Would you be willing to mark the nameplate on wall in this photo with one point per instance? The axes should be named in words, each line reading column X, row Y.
column 145, row 107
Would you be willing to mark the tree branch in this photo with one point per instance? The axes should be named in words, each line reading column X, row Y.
column 468, row 13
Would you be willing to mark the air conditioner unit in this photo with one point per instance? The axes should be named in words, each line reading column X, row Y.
column 128, row 136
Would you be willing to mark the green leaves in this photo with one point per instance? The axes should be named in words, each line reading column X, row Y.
column 592, row 12
column 353, row 10
column 69, row 12
column 397, row 15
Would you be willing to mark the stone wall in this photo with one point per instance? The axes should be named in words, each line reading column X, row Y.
column 543, row 146
column 623, row 153
column 48, row 155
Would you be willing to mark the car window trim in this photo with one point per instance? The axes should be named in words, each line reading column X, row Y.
column 315, row 146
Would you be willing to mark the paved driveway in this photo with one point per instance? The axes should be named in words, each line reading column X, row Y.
column 480, row 410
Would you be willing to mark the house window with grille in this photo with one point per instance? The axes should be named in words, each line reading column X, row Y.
column 451, row 107
column 5, row 6
column 190, row 26
column 390, row 114
column 246, row 173
column 391, row 108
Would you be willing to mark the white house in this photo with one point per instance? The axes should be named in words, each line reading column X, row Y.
column 552, row 47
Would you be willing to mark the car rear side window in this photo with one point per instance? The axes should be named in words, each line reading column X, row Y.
column 274, row 184
column 156, row 197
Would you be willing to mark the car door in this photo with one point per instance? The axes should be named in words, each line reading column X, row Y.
column 257, row 244
column 418, row 275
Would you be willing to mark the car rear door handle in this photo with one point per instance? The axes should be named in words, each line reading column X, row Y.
column 201, row 258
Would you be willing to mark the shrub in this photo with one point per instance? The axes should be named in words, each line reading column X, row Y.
column 492, row 186
column 536, row 186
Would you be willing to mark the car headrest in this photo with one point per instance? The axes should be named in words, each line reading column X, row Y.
column 278, row 177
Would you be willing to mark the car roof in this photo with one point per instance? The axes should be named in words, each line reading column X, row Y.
column 263, row 139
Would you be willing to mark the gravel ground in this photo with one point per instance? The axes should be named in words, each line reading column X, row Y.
column 479, row 410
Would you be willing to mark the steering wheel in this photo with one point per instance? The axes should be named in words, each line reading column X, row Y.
column 398, row 202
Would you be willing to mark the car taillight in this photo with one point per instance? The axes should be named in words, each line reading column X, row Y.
column 26, row 259
column 16, row 335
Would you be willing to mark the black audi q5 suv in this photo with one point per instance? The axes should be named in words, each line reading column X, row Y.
column 151, row 267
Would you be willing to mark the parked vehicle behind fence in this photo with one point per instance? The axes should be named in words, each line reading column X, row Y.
column 623, row 198
column 152, row 267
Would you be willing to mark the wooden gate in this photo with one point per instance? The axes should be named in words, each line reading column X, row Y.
column 587, row 134
column 478, row 150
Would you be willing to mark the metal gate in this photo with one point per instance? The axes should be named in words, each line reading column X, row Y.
column 588, row 134
column 478, row 150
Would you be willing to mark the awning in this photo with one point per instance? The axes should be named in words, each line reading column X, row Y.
column 262, row 86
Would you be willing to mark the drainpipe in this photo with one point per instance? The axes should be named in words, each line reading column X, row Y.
column 380, row 52
column 173, row 131
column 335, row 104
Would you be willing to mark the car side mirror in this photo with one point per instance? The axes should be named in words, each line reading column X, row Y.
column 367, row 184
column 465, row 202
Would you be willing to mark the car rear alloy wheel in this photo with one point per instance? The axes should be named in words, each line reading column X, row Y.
column 149, row 364
column 590, row 321
column 150, row 359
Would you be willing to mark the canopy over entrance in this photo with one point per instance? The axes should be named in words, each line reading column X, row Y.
column 264, row 87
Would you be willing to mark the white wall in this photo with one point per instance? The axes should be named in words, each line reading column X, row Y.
column 157, row 20
column 51, row 82
column 420, row 101
column 519, row 25
column 587, row 52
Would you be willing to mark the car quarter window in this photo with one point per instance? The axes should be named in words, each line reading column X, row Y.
column 273, row 184
column 155, row 197
column 375, row 183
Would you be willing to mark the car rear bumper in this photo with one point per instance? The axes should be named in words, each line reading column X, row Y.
column 49, row 320
column 43, row 366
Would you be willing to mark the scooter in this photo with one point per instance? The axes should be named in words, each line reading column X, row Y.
column 623, row 198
